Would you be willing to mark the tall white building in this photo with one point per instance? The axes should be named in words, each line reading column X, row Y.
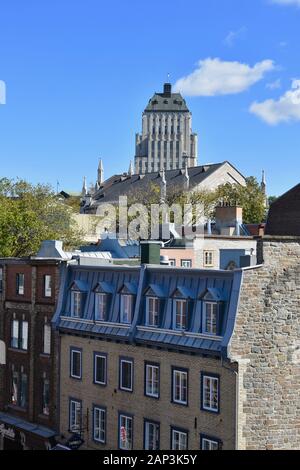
column 167, row 140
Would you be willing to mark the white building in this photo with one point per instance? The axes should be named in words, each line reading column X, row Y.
column 167, row 140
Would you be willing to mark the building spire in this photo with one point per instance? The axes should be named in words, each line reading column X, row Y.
column 186, row 176
column 100, row 178
column 84, row 187
column 130, row 170
column 263, row 181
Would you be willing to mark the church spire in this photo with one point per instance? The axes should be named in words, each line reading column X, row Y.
column 130, row 170
column 84, row 187
column 100, row 178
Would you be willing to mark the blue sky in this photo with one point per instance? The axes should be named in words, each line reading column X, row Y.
column 78, row 75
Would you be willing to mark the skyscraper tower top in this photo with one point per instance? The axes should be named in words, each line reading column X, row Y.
column 167, row 141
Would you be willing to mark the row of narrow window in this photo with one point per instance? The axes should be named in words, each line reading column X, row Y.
column 180, row 387
column 210, row 323
column 179, row 437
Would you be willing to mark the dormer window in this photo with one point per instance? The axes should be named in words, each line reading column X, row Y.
column 152, row 311
column 210, row 318
column 76, row 300
column 78, row 296
column 126, row 308
column 127, row 295
column 180, row 314
column 100, row 306
column 213, row 299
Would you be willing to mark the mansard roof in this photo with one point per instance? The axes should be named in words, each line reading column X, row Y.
column 163, row 281
column 167, row 104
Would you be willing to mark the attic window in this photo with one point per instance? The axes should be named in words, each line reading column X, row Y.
column 154, row 102
column 166, row 101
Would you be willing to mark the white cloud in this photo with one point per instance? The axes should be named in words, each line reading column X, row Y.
column 2, row 92
column 287, row 2
column 216, row 77
column 274, row 85
column 232, row 36
column 285, row 109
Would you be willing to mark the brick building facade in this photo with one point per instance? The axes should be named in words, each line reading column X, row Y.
column 28, row 380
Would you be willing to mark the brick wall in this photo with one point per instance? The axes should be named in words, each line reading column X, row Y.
column 168, row 414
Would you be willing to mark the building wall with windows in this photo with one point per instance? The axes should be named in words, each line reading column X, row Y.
column 29, row 379
column 176, row 320
column 162, row 409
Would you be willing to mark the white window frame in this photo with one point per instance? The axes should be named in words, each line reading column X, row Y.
column 178, row 436
column 73, row 412
column 15, row 334
column 182, row 377
column 151, row 381
column 184, row 304
column 47, row 339
column 47, row 285
column 127, row 361
column 155, row 433
column 212, row 445
column 20, row 285
column 24, row 335
column 126, row 310
column 76, row 351
column 186, row 263
column 208, row 389
column 100, row 315
column 76, row 303
column 99, row 431
column 102, row 356
column 127, row 419
column 208, row 258
column 211, row 309
column 152, row 311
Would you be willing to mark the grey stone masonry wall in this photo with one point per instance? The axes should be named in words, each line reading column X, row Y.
column 266, row 345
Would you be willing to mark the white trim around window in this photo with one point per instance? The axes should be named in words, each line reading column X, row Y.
column 180, row 386
column 210, row 393
column 73, row 366
column 179, row 439
column 210, row 318
column 152, row 311
column 127, row 387
column 152, row 380
column 180, row 313
column 99, row 424
column 125, row 432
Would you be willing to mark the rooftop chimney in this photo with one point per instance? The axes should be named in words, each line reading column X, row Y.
column 150, row 252
column 229, row 219
column 167, row 89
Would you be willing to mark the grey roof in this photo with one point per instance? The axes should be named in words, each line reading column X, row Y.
column 284, row 214
column 164, row 280
column 124, row 184
column 161, row 102
column 27, row 426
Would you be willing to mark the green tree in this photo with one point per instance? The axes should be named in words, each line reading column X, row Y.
column 250, row 197
column 30, row 214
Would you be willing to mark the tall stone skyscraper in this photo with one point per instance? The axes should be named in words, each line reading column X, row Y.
column 167, row 140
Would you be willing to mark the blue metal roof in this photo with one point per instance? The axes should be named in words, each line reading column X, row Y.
column 192, row 284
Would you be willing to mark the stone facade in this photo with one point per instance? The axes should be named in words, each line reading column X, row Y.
column 191, row 418
column 266, row 345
